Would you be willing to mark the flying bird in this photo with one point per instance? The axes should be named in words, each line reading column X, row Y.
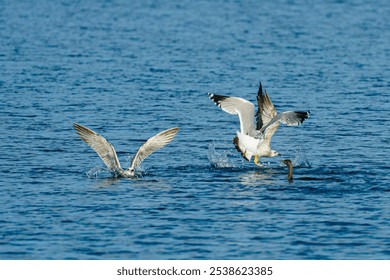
column 107, row 152
column 256, row 141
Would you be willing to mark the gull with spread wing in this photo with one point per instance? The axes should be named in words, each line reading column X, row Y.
column 251, row 140
column 107, row 152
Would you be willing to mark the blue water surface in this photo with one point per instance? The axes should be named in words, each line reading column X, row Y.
column 129, row 69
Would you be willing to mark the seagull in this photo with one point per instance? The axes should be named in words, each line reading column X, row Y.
column 251, row 140
column 107, row 152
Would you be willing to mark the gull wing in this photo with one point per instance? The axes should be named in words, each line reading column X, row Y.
column 293, row 118
column 266, row 110
column 267, row 135
column 289, row 118
column 101, row 146
column 237, row 106
column 153, row 144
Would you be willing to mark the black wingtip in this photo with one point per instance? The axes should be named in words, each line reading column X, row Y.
column 217, row 98
column 260, row 91
column 303, row 116
column 212, row 97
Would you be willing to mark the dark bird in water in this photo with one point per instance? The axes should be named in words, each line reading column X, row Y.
column 290, row 169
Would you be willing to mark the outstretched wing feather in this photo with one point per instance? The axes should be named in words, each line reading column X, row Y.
column 153, row 144
column 237, row 106
column 100, row 145
column 288, row 118
column 266, row 110
column 259, row 119
column 293, row 118
column 267, row 135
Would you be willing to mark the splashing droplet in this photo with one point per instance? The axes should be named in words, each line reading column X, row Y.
column 219, row 159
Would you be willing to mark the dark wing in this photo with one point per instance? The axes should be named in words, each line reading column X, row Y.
column 266, row 110
column 259, row 120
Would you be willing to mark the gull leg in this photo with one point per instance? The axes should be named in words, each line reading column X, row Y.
column 256, row 160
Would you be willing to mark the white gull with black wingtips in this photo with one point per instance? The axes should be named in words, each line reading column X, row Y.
column 107, row 152
column 251, row 141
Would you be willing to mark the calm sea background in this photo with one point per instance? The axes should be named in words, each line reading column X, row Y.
column 129, row 69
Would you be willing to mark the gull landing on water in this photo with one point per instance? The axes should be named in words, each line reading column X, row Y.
column 251, row 140
column 107, row 152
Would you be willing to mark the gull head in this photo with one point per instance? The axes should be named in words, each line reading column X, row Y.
column 128, row 173
column 274, row 153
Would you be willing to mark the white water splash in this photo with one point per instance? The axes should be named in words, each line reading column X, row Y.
column 96, row 171
column 219, row 159
column 300, row 158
